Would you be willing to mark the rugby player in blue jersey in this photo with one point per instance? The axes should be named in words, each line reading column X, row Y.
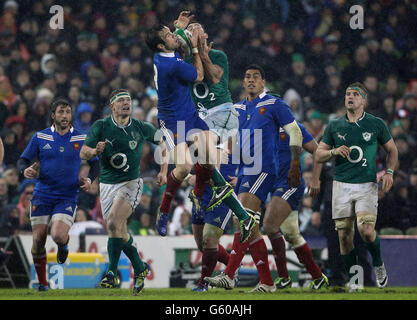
column 260, row 117
column 282, row 213
column 56, row 151
column 180, row 123
column 208, row 226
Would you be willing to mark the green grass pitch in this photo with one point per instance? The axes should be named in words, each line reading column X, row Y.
column 332, row 293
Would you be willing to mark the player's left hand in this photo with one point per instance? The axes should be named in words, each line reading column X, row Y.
column 161, row 179
column 85, row 183
column 203, row 48
column 387, row 181
column 183, row 20
column 294, row 174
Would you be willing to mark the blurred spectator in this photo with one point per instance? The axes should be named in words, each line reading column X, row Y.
column 309, row 225
column 26, row 193
column 11, row 153
column 7, row 96
column 84, row 117
column 11, row 176
column 4, row 193
column 17, row 125
column 83, row 222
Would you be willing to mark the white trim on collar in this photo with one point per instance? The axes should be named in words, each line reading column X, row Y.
column 119, row 126
column 53, row 129
column 167, row 54
column 262, row 95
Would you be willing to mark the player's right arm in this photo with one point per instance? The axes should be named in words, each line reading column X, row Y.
column 325, row 150
column 212, row 72
column 197, row 63
column 92, row 146
column 88, row 153
column 29, row 154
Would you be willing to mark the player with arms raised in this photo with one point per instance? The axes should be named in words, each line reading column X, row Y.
column 353, row 140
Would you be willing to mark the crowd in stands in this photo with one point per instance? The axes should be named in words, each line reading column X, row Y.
column 307, row 48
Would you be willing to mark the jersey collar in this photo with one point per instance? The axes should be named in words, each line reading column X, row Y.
column 167, row 54
column 119, row 126
column 356, row 122
column 53, row 129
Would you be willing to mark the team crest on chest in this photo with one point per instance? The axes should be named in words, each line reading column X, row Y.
column 366, row 136
column 132, row 144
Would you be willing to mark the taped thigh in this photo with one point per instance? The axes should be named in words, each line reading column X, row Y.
column 366, row 218
column 344, row 223
column 211, row 231
column 66, row 218
column 291, row 230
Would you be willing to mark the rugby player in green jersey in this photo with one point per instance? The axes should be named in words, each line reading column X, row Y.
column 118, row 141
column 214, row 104
column 353, row 140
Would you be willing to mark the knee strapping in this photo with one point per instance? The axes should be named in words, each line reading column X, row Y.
column 291, row 230
column 344, row 223
column 367, row 219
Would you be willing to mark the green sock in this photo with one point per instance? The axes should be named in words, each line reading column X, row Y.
column 114, row 248
column 133, row 256
column 374, row 249
column 232, row 201
column 349, row 260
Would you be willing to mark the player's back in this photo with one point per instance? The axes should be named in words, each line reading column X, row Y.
column 172, row 79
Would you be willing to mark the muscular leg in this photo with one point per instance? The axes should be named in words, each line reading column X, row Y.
column 345, row 230
column 183, row 165
column 116, row 227
column 276, row 212
column 256, row 244
column 366, row 227
column 39, row 234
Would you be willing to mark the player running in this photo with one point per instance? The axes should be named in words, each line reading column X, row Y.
column 282, row 213
column 353, row 140
column 118, row 141
column 57, row 153
column 180, row 123
column 261, row 115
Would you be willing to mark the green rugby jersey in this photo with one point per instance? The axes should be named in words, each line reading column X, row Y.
column 120, row 160
column 207, row 95
column 362, row 137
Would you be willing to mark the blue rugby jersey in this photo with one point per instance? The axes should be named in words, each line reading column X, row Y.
column 284, row 154
column 172, row 77
column 264, row 115
column 60, row 161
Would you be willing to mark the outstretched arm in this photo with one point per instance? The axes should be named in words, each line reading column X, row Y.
column 212, row 72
